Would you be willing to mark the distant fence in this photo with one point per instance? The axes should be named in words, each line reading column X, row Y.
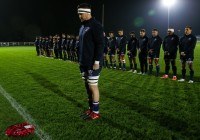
column 4, row 44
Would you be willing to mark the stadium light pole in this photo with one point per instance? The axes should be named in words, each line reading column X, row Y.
column 168, row 4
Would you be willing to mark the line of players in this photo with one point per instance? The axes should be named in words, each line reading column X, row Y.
column 64, row 48
column 116, row 47
column 148, row 50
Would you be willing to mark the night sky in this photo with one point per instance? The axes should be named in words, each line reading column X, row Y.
column 22, row 20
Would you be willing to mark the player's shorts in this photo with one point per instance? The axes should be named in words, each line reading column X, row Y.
column 153, row 55
column 90, row 75
column 170, row 57
column 185, row 59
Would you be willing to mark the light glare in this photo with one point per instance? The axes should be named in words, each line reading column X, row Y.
column 168, row 3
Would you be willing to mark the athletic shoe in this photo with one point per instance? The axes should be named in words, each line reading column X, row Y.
column 191, row 81
column 92, row 116
column 115, row 68
column 144, row 73
column 164, row 76
column 86, row 113
column 135, row 71
column 181, row 80
column 174, row 78
column 120, row 68
column 130, row 70
column 124, row 69
column 139, row 73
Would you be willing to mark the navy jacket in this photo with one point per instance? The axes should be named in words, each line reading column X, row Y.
column 112, row 44
column 143, row 44
column 187, row 45
column 132, row 45
column 121, row 43
column 64, row 47
column 37, row 43
column 155, row 44
column 91, row 43
column 170, row 44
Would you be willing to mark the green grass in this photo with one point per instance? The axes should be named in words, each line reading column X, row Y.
column 132, row 106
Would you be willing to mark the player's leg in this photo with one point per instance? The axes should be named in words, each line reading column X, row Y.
column 130, row 58
column 183, row 71
column 145, row 64
column 110, row 60
column 105, row 61
column 167, row 67
column 123, row 61
column 119, row 61
column 56, row 53
column 114, row 61
column 141, row 64
column 84, row 74
column 174, row 69
column 156, row 61
column 150, row 60
column 190, row 64
column 93, row 86
column 135, row 64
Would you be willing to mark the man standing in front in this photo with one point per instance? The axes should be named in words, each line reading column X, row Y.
column 90, row 58
column 186, row 49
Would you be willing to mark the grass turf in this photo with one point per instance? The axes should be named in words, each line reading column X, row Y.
column 132, row 106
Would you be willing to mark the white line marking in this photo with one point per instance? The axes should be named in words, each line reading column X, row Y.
column 39, row 132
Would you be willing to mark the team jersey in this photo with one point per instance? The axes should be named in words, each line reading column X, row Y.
column 170, row 44
column 37, row 43
column 155, row 44
column 132, row 45
column 112, row 45
column 121, row 44
column 91, row 43
column 187, row 45
column 143, row 44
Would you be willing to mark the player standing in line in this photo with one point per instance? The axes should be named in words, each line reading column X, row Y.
column 112, row 49
column 68, row 47
column 47, row 46
column 64, row 46
column 170, row 47
column 40, row 44
column 90, row 57
column 55, row 46
column 105, row 52
column 77, row 49
column 186, row 49
column 142, row 51
column 154, row 46
column 132, row 52
column 51, row 46
column 37, row 46
column 121, row 49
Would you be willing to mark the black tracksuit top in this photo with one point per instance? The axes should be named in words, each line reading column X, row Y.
column 91, row 43
column 155, row 44
column 187, row 45
column 170, row 44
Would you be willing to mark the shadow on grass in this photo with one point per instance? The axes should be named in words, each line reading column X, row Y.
column 174, row 124
column 55, row 89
